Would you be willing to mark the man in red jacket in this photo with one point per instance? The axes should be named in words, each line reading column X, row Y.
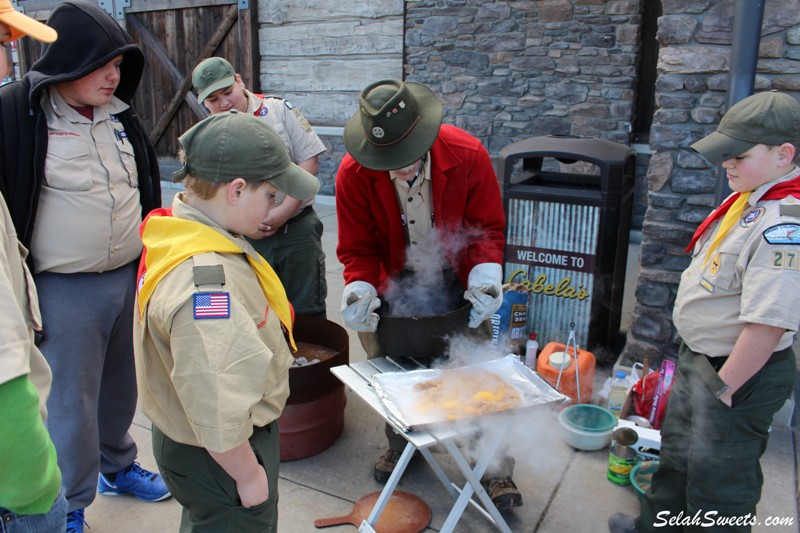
column 412, row 196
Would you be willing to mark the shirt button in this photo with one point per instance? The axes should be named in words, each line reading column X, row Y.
column 411, row 221
column 413, row 242
column 410, row 199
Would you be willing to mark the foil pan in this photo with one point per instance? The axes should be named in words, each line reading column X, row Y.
column 398, row 394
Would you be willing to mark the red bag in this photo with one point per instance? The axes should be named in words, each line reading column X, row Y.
column 643, row 394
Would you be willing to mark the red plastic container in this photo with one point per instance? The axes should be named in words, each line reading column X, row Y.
column 552, row 359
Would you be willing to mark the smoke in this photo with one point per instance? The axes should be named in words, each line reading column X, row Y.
column 426, row 287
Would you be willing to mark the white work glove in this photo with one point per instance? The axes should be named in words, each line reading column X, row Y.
column 359, row 301
column 484, row 292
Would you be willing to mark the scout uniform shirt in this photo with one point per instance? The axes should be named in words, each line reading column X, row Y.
column 752, row 277
column 416, row 208
column 299, row 139
column 20, row 301
column 209, row 373
column 89, row 209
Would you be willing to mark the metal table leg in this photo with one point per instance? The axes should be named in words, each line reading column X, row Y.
column 473, row 484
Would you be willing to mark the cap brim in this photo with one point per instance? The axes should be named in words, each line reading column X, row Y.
column 22, row 25
column 221, row 84
column 408, row 150
column 296, row 182
column 719, row 147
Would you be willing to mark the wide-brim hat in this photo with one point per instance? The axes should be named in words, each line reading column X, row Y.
column 396, row 124
column 21, row 25
column 771, row 118
column 212, row 74
column 226, row 146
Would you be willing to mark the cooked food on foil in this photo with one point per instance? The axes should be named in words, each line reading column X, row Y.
column 461, row 394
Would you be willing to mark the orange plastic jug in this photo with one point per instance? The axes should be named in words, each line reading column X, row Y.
column 551, row 361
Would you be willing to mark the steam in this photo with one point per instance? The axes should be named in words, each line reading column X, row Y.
column 424, row 289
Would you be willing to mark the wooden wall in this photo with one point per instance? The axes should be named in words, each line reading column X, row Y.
column 320, row 54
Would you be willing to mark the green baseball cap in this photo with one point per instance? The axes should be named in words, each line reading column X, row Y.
column 212, row 74
column 232, row 145
column 396, row 124
column 770, row 118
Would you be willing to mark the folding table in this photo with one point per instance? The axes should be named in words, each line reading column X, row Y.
column 358, row 377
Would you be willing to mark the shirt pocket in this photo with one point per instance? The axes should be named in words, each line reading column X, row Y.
column 128, row 158
column 66, row 166
column 726, row 275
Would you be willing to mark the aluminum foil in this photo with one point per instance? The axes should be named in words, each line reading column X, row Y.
column 397, row 393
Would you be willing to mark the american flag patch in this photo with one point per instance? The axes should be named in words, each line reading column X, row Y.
column 212, row 305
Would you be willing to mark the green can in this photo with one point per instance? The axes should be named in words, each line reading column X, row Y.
column 622, row 457
column 619, row 469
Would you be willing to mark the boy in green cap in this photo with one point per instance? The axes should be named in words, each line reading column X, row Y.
column 211, row 357
column 737, row 315
column 290, row 238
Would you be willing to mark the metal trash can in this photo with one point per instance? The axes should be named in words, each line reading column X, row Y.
column 568, row 204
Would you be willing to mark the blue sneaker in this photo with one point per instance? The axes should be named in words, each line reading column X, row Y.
column 75, row 521
column 135, row 480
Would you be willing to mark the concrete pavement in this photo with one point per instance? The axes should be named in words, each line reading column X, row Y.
column 564, row 490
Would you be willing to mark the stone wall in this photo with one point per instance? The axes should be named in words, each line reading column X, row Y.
column 508, row 71
column 695, row 38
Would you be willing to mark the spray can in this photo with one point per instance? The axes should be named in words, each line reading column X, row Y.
column 618, row 393
column 622, row 456
column 531, row 350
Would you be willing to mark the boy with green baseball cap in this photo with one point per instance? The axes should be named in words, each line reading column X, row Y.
column 737, row 318
column 212, row 357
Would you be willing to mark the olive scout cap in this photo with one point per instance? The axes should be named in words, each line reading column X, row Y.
column 21, row 25
column 232, row 145
column 770, row 118
column 396, row 124
column 212, row 74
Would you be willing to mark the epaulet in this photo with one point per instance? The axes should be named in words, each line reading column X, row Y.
column 790, row 207
column 207, row 270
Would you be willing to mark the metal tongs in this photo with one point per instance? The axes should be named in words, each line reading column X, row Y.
column 571, row 340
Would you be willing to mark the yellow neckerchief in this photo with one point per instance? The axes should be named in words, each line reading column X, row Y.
column 169, row 241
column 731, row 218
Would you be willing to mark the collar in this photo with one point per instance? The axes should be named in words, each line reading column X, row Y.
column 759, row 191
column 62, row 109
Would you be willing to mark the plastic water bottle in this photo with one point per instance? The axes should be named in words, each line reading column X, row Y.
column 531, row 349
column 618, row 393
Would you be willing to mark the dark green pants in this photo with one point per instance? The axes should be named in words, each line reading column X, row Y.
column 709, row 460
column 208, row 494
column 295, row 253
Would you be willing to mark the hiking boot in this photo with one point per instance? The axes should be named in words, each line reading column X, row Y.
column 75, row 521
column 385, row 464
column 134, row 480
column 503, row 492
column 622, row 523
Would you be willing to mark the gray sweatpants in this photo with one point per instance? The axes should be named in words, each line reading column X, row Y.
column 88, row 342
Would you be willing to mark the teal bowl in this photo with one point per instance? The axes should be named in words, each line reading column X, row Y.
column 589, row 417
column 587, row 427
column 641, row 475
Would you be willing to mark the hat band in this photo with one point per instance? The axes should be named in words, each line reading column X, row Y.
column 403, row 136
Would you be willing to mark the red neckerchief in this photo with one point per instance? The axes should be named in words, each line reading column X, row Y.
column 159, row 212
column 779, row 191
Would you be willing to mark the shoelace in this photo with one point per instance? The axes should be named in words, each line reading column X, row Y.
column 136, row 470
column 75, row 519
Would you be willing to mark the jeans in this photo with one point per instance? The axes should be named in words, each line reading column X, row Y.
column 54, row 521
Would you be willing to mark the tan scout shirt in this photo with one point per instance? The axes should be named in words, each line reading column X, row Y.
column 19, row 315
column 89, row 210
column 416, row 205
column 296, row 133
column 747, row 280
column 209, row 382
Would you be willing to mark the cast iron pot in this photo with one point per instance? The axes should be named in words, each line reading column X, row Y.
column 420, row 336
